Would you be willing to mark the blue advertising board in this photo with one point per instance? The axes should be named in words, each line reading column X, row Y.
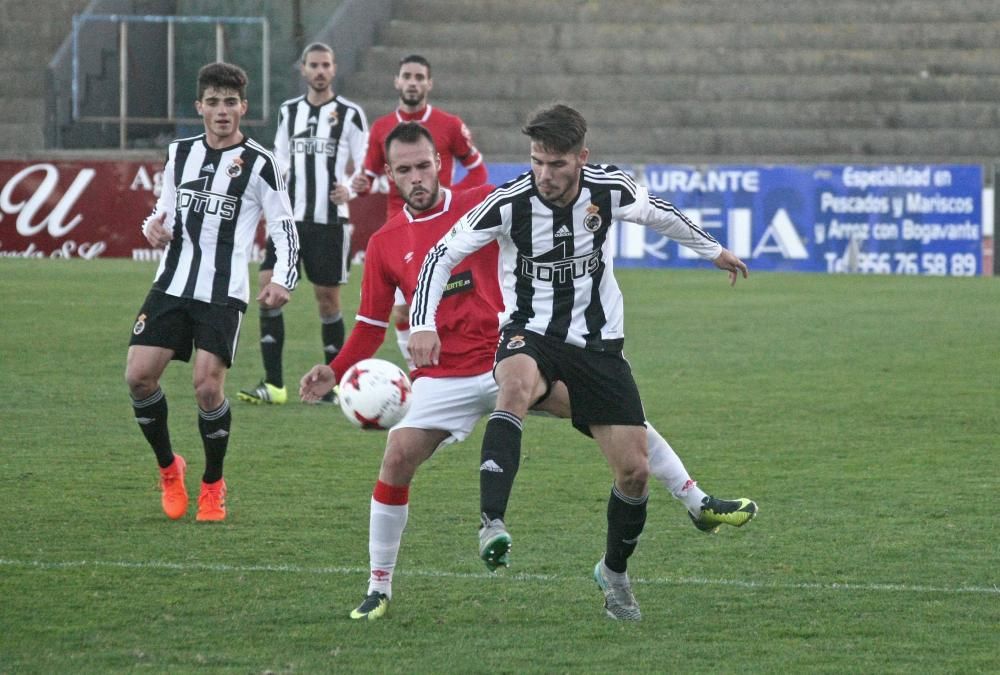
column 891, row 219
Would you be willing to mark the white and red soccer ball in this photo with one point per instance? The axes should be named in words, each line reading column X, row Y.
column 375, row 394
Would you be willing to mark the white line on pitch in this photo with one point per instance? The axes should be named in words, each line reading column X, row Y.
column 669, row 581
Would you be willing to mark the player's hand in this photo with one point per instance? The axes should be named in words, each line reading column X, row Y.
column 156, row 234
column 360, row 183
column 424, row 347
column 728, row 261
column 317, row 383
column 273, row 296
column 340, row 194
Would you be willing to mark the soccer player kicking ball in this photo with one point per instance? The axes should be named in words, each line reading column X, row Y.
column 452, row 395
column 563, row 321
column 216, row 186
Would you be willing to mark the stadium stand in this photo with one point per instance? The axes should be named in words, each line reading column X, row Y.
column 712, row 80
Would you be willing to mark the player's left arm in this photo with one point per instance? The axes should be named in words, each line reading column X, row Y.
column 357, row 142
column 469, row 156
column 638, row 206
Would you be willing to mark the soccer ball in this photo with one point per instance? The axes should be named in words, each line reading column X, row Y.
column 374, row 394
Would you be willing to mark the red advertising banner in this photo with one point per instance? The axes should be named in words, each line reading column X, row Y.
column 94, row 208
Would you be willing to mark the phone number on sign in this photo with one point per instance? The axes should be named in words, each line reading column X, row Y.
column 931, row 264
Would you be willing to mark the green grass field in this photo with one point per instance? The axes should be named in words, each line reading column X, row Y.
column 860, row 412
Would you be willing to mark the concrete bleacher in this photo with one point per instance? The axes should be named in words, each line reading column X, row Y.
column 30, row 32
column 711, row 80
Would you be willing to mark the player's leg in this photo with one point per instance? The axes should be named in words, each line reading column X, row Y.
column 706, row 512
column 215, row 338
column 271, row 388
column 327, row 266
column 161, row 332
column 444, row 410
column 605, row 400
column 625, row 449
column 521, row 383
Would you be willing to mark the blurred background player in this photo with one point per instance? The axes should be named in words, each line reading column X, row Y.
column 452, row 140
column 320, row 137
column 216, row 186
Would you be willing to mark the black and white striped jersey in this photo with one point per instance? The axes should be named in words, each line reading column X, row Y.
column 313, row 145
column 213, row 201
column 557, row 271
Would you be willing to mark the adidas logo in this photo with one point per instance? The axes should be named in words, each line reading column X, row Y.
column 208, row 168
column 491, row 466
column 268, row 340
column 563, row 232
column 219, row 433
column 145, row 420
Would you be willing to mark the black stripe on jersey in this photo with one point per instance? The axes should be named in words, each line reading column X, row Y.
column 226, row 240
column 520, row 233
column 195, row 219
column 291, row 109
column 563, row 287
column 522, row 186
column 594, row 315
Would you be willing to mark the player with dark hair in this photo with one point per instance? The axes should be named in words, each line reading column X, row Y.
column 452, row 140
column 216, row 187
column 563, row 321
column 452, row 395
column 320, row 136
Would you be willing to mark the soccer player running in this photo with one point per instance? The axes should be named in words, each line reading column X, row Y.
column 451, row 396
column 452, row 140
column 320, row 136
column 563, row 321
column 216, row 186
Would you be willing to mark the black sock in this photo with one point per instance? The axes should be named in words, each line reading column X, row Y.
column 151, row 414
column 214, row 427
column 333, row 335
column 626, row 518
column 500, row 458
column 272, row 343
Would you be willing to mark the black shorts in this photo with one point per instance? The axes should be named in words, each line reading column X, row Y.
column 601, row 388
column 182, row 324
column 324, row 250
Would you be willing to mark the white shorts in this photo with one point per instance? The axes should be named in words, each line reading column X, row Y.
column 452, row 404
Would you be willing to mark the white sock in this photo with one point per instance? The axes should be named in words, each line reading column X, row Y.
column 402, row 337
column 668, row 468
column 385, row 531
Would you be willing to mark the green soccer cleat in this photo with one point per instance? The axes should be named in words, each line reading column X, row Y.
column 374, row 607
column 264, row 392
column 715, row 512
column 619, row 603
column 494, row 544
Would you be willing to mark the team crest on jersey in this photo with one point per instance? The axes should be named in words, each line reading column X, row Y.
column 516, row 342
column 140, row 324
column 333, row 118
column 592, row 221
column 235, row 169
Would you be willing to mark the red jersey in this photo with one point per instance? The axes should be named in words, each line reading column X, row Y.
column 452, row 140
column 468, row 317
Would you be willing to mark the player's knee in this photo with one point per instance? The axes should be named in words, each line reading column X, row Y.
column 140, row 384
column 633, row 476
column 208, row 393
column 398, row 466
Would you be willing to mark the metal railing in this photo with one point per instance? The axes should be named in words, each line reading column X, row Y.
column 124, row 20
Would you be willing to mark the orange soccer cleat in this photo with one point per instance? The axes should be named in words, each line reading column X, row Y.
column 212, row 501
column 175, row 495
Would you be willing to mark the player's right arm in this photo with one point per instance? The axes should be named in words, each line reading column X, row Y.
column 158, row 226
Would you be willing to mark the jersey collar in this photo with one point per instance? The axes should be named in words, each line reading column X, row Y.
column 431, row 213
column 419, row 116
